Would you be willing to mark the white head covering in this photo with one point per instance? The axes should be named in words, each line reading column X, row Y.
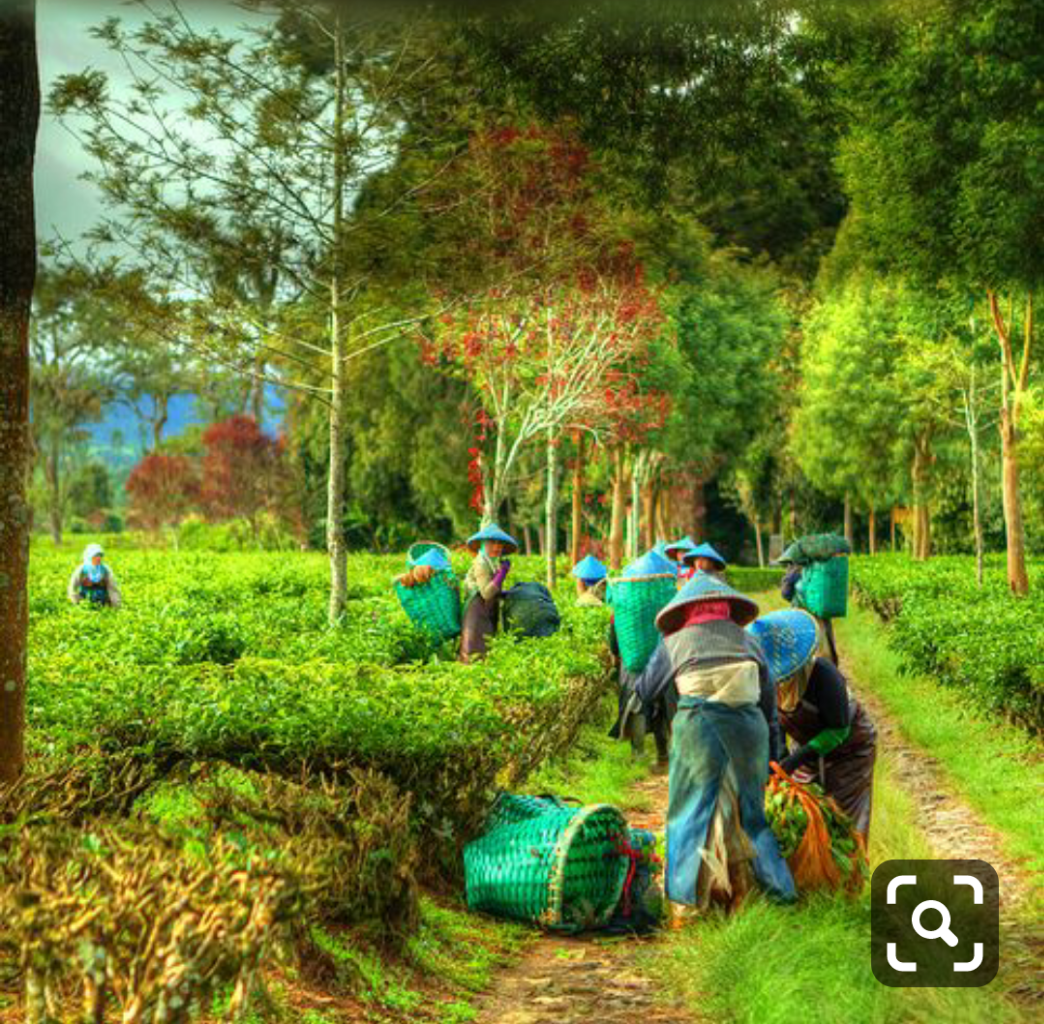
column 90, row 551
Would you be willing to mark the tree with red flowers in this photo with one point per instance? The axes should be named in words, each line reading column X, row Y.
column 570, row 308
column 244, row 471
column 163, row 489
column 632, row 415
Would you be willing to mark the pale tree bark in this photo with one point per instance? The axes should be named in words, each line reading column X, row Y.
column 19, row 116
column 922, row 514
column 871, row 532
column 849, row 531
column 160, row 415
column 53, row 475
column 971, row 419
column 1014, row 381
column 649, row 514
column 551, row 509
column 578, row 498
column 335, row 544
column 758, row 540
column 616, row 526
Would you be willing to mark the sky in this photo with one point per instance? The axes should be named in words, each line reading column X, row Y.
column 65, row 205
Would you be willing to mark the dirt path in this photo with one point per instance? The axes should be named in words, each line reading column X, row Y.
column 956, row 831
column 588, row 980
column 952, row 827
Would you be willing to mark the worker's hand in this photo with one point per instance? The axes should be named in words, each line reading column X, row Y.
column 505, row 565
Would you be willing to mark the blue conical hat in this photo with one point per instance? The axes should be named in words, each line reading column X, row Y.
column 788, row 639
column 685, row 544
column 435, row 558
column 704, row 551
column 650, row 564
column 492, row 532
column 590, row 570
column 704, row 587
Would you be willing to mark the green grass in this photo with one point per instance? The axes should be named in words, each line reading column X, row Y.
column 776, row 965
column 995, row 766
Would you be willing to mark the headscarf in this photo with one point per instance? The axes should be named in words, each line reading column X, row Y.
column 791, row 690
column 95, row 573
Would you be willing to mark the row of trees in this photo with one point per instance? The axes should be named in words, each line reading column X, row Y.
column 480, row 251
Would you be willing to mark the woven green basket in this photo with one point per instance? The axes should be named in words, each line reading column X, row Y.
column 636, row 601
column 823, row 588
column 435, row 605
column 421, row 548
column 549, row 864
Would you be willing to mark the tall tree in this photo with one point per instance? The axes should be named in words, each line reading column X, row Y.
column 19, row 116
column 239, row 165
column 942, row 163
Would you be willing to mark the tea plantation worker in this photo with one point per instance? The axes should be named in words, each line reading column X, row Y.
column 797, row 557
column 720, row 749
column 705, row 558
column 636, row 717
column 833, row 740
column 591, row 576
column 482, row 587
column 675, row 552
column 93, row 581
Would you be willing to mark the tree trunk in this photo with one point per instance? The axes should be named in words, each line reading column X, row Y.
column 761, row 546
column 19, row 115
column 971, row 417
column 335, row 545
column 849, row 531
column 616, row 526
column 551, row 509
column 871, row 532
column 1018, row 580
column 578, row 499
column 922, row 526
column 53, row 473
column 636, row 508
column 892, row 527
column 649, row 514
column 160, row 415
column 527, row 539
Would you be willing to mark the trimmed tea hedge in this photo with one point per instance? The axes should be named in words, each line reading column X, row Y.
column 985, row 642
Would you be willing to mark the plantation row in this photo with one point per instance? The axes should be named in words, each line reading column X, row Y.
column 982, row 641
column 229, row 658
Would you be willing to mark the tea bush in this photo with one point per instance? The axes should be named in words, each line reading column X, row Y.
column 228, row 657
column 983, row 641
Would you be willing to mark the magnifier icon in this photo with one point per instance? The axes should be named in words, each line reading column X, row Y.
column 943, row 931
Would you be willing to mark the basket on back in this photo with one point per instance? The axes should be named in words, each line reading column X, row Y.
column 548, row 863
column 636, row 601
column 823, row 587
column 429, row 593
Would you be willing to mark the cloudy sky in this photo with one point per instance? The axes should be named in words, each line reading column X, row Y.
column 64, row 204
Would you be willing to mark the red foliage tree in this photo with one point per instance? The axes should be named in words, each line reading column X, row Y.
column 244, row 471
column 163, row 489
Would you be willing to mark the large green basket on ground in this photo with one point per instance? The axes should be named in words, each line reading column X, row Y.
column 421, row 548
column 823, row 587
column 434, row 606
column 636, row 601
column 545, row 862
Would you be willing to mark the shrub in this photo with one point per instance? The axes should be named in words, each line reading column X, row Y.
column 984, row 642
